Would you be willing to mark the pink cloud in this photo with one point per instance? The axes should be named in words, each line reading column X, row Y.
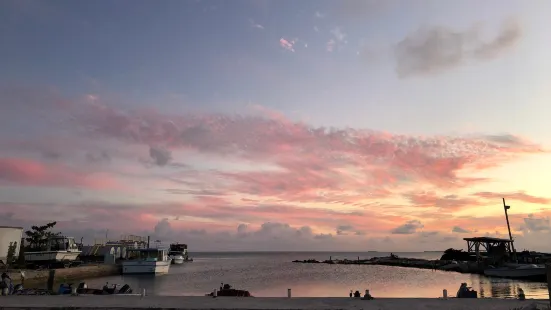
column 293, row 170
column 28, row 172
column 288, row 45
column 330, row 46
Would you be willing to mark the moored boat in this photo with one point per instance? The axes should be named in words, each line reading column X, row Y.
column 179, row 253
column 146, row 261
column 518, row 271
column 177, row 259
column 60, row 251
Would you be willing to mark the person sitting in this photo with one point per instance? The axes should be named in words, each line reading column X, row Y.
column 367, row 295
column 466, row 292
column 462, row 291
column 357, row 294
column 521, row 295
column 5, row 284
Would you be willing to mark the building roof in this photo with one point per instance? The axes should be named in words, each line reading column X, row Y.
column 487, row 239
column 14, row 227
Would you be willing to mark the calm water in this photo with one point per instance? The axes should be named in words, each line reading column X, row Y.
column 271, row 274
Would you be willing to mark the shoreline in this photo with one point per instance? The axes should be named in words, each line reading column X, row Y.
column 257, row 303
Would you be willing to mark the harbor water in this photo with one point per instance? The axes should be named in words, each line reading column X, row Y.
column 270, row 274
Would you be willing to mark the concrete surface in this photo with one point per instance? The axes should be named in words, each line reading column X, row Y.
column 255, row 303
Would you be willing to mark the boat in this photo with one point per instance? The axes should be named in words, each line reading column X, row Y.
column 177, row 259
column 518, row 271
column 179, row 253
column 146, row 261
column 60, row 251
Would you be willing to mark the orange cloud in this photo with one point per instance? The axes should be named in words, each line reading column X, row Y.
column 519, row 196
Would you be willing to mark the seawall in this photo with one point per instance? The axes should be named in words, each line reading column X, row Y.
column 33, row 277
column 256, row 303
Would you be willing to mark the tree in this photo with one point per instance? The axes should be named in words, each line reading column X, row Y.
column 37, row 237
column 10, row 258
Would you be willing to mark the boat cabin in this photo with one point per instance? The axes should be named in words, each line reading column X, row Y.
column 149, row 255
column 62, row 243
column 487, row 248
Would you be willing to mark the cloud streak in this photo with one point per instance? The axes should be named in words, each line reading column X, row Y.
column 436, row 49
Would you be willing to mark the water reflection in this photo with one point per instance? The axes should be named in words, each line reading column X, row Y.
column 271, row 274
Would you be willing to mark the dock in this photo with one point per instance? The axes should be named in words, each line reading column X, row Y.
column 258, row 303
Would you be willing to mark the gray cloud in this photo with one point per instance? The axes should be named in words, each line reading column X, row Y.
column 160, row 156
column 362, row 8
column 459, row 230
column 435, row 49
column 408, row 228
column 534, row 224
column 97, row 157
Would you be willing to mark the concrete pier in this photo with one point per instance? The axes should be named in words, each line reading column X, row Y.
column 252, row 303
column 34, row 277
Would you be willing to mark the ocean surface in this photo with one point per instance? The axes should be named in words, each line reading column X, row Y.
column 270, row 274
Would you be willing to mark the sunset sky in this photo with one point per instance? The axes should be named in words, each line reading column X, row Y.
column 278, row 125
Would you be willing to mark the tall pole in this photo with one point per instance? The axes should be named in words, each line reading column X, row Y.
column 506, row 207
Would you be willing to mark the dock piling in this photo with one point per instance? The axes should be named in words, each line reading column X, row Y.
column 51, row 278
column 288, row 293
column 548, row 269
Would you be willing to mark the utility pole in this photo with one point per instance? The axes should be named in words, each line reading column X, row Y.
column 506, row 207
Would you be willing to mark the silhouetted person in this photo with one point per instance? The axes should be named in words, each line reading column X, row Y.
column 357, row 294
column 351, row 294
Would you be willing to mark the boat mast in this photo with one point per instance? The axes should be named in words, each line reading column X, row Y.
column 506, row 207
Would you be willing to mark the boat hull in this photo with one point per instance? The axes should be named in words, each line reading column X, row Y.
column 144, row 267
column 178, row 260
column 51, row 256
column 535, row 274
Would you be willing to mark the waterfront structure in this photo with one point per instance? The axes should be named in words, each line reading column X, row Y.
column 10, row 238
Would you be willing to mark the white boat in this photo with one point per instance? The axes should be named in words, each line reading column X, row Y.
column 146, row 261
column 177, row 258
column 518, row 271
column 59, row 251
column 179, row 252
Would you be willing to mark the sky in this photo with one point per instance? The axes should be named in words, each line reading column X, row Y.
column 258, row 125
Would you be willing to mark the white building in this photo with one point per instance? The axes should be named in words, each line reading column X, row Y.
column 9, row 236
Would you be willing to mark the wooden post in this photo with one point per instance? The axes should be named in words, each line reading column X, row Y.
column 51, row 278
column 506, row 207
column 548, row 269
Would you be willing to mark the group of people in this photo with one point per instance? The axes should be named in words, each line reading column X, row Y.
column 357, row 294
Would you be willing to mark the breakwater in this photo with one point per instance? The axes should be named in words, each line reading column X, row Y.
column 445, row 265
column 36, row 277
